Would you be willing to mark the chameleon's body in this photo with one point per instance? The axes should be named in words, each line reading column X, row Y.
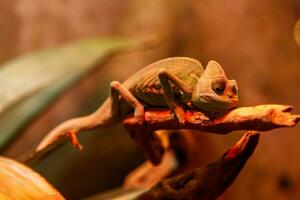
column 145, row 84
column 174, row 82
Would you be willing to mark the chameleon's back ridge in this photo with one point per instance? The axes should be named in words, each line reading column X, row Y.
column 145, row 83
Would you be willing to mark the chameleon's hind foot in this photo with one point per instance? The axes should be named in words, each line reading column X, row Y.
column 139, row 121
column 74, row 139
column 139, row 116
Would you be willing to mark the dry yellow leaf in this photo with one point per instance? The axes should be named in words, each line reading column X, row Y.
column 297, row 32
column 18, row 181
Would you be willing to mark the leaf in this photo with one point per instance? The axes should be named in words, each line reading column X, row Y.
column 119, row 194
column 31, row 82
column 19, row 182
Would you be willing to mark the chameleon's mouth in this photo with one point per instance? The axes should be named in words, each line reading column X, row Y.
column 212, row 102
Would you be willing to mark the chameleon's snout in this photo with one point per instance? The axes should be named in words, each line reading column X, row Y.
column 234, row 101
column 232, row 90
column 232, row 97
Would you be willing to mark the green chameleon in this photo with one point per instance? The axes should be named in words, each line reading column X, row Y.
column 176, row 83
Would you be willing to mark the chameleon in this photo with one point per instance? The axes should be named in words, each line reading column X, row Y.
column 175, row 83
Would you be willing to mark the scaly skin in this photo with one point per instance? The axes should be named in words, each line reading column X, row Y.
column 146, row 86
column 173, row 82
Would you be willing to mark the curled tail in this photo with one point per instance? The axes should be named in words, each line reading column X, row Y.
column 101, row 118
column 58, row 136
column 64, row 130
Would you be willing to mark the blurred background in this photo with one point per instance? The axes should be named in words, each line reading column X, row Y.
column 252, row 40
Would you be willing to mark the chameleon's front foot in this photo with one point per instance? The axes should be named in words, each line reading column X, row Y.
column 179, row 114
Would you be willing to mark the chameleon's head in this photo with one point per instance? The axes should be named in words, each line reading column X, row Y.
column 214, row 91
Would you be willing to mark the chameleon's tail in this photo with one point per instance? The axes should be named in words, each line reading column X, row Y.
column 103, row 117
column 57, row 137
column 72, row 126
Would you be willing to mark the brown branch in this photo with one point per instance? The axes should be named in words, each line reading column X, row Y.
column 205, row 183
column 260, row 118
column 210, row 181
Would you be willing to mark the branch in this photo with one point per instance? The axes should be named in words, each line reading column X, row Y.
column 205, row 183
column 260, row 118
column 210, row 181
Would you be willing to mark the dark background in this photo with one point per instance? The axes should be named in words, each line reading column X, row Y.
column 252, row 40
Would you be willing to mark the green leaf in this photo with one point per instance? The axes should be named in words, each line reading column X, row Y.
column 29, row 83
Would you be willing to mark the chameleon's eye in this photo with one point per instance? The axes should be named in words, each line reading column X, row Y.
column 235, row 90
column 218, row 86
